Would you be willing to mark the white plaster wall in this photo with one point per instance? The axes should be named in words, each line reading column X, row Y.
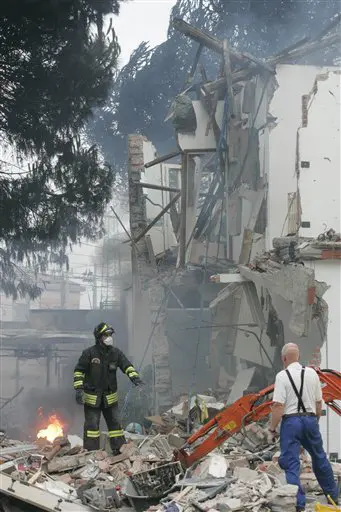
column 320, row 191
column 319, row 185
column 319, row 145
column 330, row 272
column 294, row 81
column 162, row 235
column 200, row 140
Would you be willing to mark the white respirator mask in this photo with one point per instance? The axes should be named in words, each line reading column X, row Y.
column 108, row 341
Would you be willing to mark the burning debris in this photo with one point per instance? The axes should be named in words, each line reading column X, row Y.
column 53, row 430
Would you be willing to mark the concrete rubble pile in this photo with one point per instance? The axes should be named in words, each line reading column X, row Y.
column 242, row 475
column 72, row 473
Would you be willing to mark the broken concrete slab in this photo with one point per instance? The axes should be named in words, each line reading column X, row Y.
column 294, row 282
column 230, row 504
column 218, row 466
column 284, row 498
column 69, row 462
column 245, row 474
column 214, row 465
column 41, row 499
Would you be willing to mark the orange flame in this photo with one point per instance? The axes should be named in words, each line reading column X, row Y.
column 53, row 430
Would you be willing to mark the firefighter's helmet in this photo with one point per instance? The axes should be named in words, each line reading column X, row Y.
column 101, row 329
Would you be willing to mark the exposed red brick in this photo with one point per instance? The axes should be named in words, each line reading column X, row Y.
column 311, row 295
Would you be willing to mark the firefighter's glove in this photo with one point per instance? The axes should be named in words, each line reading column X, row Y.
column 80, row 397
column 137, row 381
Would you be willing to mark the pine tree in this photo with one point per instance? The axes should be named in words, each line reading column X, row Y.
column 56, row 66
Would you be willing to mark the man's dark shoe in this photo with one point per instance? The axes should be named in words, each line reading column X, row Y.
column 300, row 509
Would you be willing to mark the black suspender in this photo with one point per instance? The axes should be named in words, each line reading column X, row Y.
column 300, row 405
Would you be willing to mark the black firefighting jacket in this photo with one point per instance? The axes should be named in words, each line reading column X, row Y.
column 95, row 374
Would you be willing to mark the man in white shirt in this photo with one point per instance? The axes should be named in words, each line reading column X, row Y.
column 297, row 401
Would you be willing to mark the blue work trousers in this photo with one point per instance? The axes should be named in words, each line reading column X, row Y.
column 297, row 431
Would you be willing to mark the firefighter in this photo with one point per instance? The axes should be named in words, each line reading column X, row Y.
column 95, row 383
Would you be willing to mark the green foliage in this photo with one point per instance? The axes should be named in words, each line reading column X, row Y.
column 146, row 86
column 56, row 66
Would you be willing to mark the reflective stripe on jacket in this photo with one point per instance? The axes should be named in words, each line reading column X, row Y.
column 95, row 373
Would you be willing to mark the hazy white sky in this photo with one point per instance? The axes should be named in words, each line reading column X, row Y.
column 141, row 20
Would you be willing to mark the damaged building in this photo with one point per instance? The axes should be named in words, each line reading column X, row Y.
column 235, row 235
column 235, row 250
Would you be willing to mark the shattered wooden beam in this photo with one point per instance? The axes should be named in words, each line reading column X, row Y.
column 121, row 224
column 198, row 35
column 319, row 252
column 228, row 76
column 287, row 50
column 220, row 83
column 211, row 116
column 329, row 27
column 216, row 45
column 151, row 253
column 195, row 64
column 183, row 219
column 163, row 158
column 158, row 187
column 157, row 218
column 245, row 252
column 175, row 219
column 10, row 450
column 292, row 53
column 210, row 105
column 310, row 47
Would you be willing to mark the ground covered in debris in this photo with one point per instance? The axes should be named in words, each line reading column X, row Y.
column 241, row 475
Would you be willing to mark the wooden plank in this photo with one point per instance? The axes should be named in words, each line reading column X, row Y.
column 228, row 76
column 182, row 234
column 211, row 118
column 224, row 294
column 163, row 158
column 150, row 251
column 310, row 47
column 18, row 449
column 158, row 187
column 256, row 209
column 245, row 252
column 198, row 35
column 35, row 477
column 195, row 64
column 216, row 45
column 157, row 218
column 244, row 257
column 284, row 57
column 175, row 219
column 121, row 223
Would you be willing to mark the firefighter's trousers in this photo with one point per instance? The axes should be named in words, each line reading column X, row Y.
column 91, row 427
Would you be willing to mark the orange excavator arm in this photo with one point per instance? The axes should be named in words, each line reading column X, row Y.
column 246, row 410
